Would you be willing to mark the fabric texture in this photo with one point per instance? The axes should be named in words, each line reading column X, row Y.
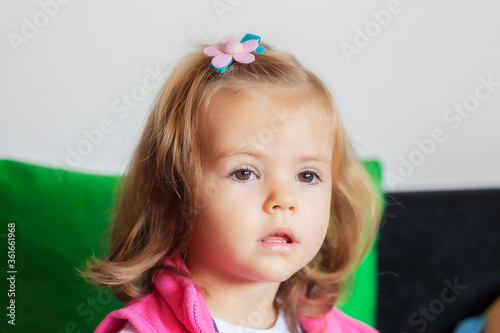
column 176, row 305
column 438, row 243
column 225, row 327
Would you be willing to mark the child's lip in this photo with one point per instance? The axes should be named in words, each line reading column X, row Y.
column 280, row 235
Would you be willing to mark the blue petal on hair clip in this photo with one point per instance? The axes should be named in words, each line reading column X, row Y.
column 259, row 49
column 222, row 69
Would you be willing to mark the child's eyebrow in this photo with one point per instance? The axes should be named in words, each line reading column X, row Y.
column 316, row 157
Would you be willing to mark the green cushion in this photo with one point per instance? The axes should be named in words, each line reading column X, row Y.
column 61, row 218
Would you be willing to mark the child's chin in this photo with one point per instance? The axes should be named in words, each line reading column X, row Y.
column 279, row 275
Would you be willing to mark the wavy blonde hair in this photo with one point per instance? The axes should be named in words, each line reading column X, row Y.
column 159, row 196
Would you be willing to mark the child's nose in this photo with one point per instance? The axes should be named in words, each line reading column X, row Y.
column 281, row 198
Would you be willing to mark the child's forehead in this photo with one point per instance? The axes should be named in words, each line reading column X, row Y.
column 246, row 120
column 291, row 99
column 263, row 112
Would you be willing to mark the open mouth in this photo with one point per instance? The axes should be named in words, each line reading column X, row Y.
column 277, row 238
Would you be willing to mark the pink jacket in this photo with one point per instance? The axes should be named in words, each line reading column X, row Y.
column 176, row 305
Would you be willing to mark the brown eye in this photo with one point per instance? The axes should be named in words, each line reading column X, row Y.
column 243, row 175
column 308, row 177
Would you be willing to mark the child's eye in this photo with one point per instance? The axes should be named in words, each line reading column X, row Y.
column 309, row 177
column 243, row 174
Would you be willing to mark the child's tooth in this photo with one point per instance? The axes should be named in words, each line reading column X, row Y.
column 276, row 238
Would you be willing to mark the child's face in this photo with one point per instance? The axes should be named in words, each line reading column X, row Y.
column 266, row 190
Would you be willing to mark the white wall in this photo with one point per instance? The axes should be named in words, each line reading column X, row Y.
column 69, row 66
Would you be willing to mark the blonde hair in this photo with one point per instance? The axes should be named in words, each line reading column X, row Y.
column 158, row 197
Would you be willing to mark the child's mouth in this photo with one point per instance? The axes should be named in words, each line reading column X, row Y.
column 277, row 238
column 280, row 241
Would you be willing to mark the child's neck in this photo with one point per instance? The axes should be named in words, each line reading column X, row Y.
column 248, row 305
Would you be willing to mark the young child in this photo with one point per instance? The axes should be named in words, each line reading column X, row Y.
column 244, row 208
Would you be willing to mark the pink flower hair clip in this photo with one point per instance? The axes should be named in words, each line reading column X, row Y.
column 223, row 55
